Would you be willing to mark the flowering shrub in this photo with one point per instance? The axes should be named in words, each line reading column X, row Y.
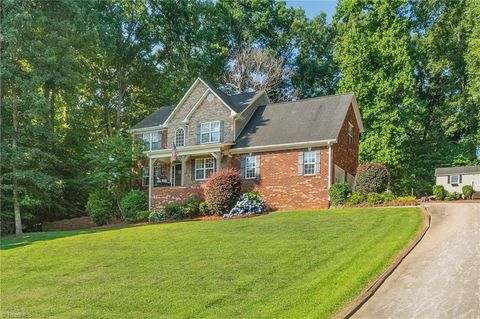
column 250, row 203
column 221, row 190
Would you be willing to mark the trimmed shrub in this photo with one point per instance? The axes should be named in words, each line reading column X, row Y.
column 355, row 199
column 374, row 198
column 132, row 203
column 175, row 211
column 453, row 196
column 222, row 189
column 438, row 192
column 250, row 203
column 467, row 191
column 388, row 196
column 372, row 178
column 157, row 216
column 142, row 215
column 203, row 208
column 192, row 206
column 338, row 193
column 100, row 208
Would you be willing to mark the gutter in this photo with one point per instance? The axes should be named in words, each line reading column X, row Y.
column 278, row 147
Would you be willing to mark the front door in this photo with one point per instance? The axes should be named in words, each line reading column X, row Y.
column 177, row 174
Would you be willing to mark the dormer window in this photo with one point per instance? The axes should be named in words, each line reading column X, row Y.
column 210, row 132
column 180, row 137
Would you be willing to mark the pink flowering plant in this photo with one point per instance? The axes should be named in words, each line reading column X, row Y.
column 250, row 203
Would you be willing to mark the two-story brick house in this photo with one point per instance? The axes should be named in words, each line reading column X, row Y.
column 290, row 152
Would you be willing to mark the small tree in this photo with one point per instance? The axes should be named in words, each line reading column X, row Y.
column 439, row 192
column 100, row 208
column 132, row 203
column 222, row 189
column 372, row 178
column 338, row 193
column 467, row 191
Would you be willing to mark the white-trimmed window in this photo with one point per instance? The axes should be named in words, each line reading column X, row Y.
column 309, row 163
column 157, row 174
column 350, row 133
column 151, row 141
column 251, row 167
column 180, row 137
column 210, row 132
column 455, row 179
column 204, row 167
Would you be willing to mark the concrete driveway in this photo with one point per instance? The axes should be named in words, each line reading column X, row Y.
column 440, row 278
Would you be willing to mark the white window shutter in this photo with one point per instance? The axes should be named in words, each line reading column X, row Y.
column 300, row 163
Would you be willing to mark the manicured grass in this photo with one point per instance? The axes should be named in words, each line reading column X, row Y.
column 303, row 264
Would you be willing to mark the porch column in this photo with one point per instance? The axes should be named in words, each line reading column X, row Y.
column 150, row 182
column 184, row 167
column 218, row 159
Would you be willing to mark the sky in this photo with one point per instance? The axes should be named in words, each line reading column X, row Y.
column 314, row 7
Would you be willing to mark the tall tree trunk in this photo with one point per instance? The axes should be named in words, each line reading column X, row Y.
column 16, row 201
column 122, row 87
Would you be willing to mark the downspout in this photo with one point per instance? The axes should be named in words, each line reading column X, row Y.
column 150, row 183
column 329, row 165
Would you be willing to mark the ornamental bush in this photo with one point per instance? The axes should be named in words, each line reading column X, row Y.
column 135, row 201
column 142, row 216
column 157, row 216
column 250, row 203
column 192, row 206
column 372, row 178
column 222, row 189
column 355, row 199
column 467, row 191
column 438, row 192
column 203, row 208
column 175, row 211
column 388, row 196
column 453, row 196
column 338, row 193
column 100, row 208
column 374, row 198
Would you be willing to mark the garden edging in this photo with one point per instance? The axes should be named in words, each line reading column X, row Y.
column 368, row 292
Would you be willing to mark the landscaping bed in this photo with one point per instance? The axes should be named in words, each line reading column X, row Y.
column 289, row 264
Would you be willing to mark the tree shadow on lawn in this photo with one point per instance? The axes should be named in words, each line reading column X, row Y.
column 15, row 241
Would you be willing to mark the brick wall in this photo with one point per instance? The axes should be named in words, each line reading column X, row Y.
column 282, row 187
column 343, row 154
column 162, row 196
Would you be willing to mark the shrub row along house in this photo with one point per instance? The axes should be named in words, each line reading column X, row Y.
column 290, row 152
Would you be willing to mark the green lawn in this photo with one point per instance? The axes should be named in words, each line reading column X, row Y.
column 303, row 264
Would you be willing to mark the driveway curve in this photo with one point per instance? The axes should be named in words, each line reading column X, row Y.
column 440, row 278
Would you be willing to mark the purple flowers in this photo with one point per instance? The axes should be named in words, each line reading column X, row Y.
column 250, row 203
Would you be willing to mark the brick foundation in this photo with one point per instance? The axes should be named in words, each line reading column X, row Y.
column 162, row 196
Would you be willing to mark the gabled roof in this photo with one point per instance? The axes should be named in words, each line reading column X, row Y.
column 157, row 118
column 442, row 171
column 309, row 120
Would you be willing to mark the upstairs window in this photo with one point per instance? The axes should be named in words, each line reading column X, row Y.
column 180, row 137
column 151, row 141
column 350, row 134
column 210, row 132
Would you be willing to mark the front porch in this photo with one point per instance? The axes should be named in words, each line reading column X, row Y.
column 176, row 177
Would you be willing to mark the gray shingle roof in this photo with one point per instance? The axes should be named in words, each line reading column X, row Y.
column 156, row 118
column 457, row 170
column 237, row 102
column 306, row 120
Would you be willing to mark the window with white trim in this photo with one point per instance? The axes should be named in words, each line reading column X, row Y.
column 454, row 179
column 210, row 132
column 204, row 167
column 309, row 163
column 180, row 137
column 250, row 167
column 151, row 141
column 157, row 175
column 350, row 133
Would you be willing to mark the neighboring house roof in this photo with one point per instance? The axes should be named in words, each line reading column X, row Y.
column 461, row 170
column 156, row 118
column 308, row 120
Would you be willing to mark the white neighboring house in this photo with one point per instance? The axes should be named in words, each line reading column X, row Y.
column 454, row 178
